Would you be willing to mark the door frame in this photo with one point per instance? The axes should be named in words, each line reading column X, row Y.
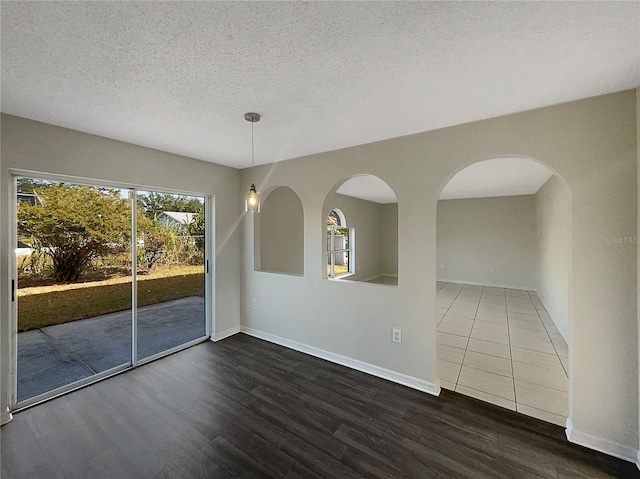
column 209, row 282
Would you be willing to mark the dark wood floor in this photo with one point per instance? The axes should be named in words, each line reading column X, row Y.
column 244, row 408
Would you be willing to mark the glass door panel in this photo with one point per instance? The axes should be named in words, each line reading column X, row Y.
column 74, row 289
column 170, row 271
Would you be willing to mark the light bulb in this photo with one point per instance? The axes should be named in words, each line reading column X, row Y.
column 252, row 202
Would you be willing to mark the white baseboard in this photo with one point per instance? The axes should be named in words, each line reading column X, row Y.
column 393, row 376
column 601, row 444
column 491, row 285
column 5, row 417
column 226, row 333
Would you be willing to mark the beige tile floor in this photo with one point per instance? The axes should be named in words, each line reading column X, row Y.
column 501, row 346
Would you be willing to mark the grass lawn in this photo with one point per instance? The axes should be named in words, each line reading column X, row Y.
column 338, row 268
column 43, row 306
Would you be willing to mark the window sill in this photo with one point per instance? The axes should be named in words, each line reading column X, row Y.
column 299, row 275
column 342, row 276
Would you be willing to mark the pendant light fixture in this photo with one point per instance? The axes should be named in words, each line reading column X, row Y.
column 252, row 202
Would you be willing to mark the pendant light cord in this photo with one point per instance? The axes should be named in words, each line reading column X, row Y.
column 253, row 199
column 252, row 161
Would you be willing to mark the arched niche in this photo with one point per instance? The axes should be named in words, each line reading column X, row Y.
column 360, row 228
column 279, row 233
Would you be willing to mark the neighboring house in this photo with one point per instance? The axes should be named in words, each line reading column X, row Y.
column 175, row 218
column 27, row 197
column 23, row 249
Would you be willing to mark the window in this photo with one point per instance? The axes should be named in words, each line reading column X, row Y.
column 340, row 246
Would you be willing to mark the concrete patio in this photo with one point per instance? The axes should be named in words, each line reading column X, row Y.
column 55, row 356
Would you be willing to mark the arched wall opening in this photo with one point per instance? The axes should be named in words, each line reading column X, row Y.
column 503, row 259
column 279, row 233
column 360, row 220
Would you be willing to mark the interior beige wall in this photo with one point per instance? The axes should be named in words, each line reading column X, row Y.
column 281, row 233
column 389, row 231
column 475, row 235
column 41, row 148
column 553, row 231
column 590, row 143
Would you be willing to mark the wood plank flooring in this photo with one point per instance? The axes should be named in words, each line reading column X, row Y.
column 244, row 408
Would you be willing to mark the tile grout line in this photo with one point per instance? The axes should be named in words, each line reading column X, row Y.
column 549, row 336
column 540, row 385
column 468, row 339
column 454, row 300
column 465, row 349
column 488, row 340
column 554, row 347
column 513, row 375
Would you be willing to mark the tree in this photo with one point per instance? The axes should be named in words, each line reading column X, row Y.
column 154, row 242
column 155, row 203
column 74, row 224
column 195, row 229
column 28, row 185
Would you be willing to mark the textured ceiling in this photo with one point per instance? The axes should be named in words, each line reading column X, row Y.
column 179, row 76
column 497, row 177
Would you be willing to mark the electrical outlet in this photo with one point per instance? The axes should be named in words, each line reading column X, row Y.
column 492, row 270
column 254, row 304
column 249, row 258
column 441, row 266
column 396, row 335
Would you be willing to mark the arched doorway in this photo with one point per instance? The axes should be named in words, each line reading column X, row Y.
column 503, row 270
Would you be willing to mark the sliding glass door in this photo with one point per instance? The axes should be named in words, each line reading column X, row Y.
column 91, row 297
column 73, row 260
column 170, row 271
